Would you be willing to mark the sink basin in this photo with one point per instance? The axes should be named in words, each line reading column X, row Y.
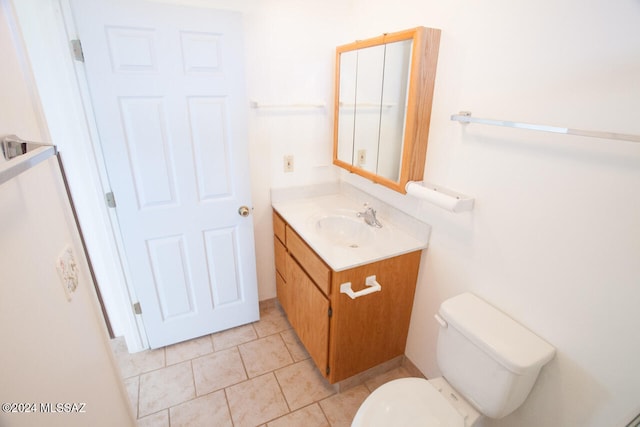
column 345, row 229
column 330, row 226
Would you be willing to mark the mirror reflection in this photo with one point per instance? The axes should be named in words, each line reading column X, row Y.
column 379, row 87
column 395, row 90
column 373, row 96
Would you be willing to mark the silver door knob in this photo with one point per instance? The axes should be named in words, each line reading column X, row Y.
column 243, row 211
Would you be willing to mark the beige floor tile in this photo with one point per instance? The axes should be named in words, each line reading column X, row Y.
column 310, row 416
column 188, row 350
column 302, row 384
column 160, row 419
column 132, row 385
column 297, row 350
column 233, row 337
column 342, row 407
column 256, row 401
column 132, row 364
column 272, row 320
column 206, row 411
column 264, row 355
column 165, row 387
column 391, row 375
column 182, row 385
column 218, row 370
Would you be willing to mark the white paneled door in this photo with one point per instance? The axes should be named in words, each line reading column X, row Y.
column 168, row 93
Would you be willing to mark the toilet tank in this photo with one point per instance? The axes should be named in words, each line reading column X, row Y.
column 489, row 358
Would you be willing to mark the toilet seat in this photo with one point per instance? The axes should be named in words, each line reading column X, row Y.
column 407, row 402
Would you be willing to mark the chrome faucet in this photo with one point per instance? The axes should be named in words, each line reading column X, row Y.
column 369, row 216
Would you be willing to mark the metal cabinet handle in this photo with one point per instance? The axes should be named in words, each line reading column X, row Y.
column 244, row 211
column 370, row 282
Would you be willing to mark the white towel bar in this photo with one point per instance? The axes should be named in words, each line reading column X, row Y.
column 465, row 117
column 258, row 105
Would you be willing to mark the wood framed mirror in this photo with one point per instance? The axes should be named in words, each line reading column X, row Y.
column 382, row 110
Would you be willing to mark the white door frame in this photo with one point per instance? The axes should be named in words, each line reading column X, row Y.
column 61, row 83
column 135, row 334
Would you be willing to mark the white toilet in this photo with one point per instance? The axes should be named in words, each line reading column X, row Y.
column 489, row 363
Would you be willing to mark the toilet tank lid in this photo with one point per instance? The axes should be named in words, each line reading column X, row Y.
column 508, row 342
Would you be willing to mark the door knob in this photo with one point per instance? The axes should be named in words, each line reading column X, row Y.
column 243, row 211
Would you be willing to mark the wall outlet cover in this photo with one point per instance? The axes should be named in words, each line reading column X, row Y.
column 68, row 271
column 288, row 163
column 362, row 157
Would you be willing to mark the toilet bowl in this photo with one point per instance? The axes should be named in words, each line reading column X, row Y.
column 415, row 402
column 487, row 360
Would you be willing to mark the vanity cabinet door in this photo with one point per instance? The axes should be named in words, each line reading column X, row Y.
column 372, row 329
column 309, row 314
column 280, row 252
column 282, row 288
column 279, row 227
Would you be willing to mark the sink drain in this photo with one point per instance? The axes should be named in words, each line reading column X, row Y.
column 353, row 245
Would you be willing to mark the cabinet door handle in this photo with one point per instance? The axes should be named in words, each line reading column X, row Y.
column 370, row 282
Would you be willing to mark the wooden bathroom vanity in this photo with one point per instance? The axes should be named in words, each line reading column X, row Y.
column 344, row 336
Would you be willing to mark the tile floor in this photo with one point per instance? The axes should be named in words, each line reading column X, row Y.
column 253, row 375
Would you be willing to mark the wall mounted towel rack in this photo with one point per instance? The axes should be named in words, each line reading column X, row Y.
column 20, row 155
column 12, row 146
column 366, row 105
column 465, row 117
column 257, row 105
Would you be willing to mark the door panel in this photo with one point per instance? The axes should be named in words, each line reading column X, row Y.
column 150, row 159
column 224, row 277
column 167, row 87
column 132, row 49
column 172, row 279
column 210, row 130
column 201, row 52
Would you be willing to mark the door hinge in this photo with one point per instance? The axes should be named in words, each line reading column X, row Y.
column 76, row 48
column 110, row 199
column 330, row 312
column 137, row 309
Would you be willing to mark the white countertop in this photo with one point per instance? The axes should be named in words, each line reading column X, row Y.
column 400, row 233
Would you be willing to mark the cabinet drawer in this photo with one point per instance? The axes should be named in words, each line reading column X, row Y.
column 312, row 264
column 280, row 256
column 278, row 227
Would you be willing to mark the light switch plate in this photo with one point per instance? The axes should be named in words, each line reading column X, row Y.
column 288, row 163
column 68, row 272
column 362, row 157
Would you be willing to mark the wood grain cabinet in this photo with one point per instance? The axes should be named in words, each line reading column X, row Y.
column 343, row 336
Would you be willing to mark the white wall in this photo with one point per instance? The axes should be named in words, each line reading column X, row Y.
column 290, row 48
column 53, row 350
column 554, row 239
column 18, row 114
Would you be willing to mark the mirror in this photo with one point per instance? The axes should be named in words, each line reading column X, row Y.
column 384, row 89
